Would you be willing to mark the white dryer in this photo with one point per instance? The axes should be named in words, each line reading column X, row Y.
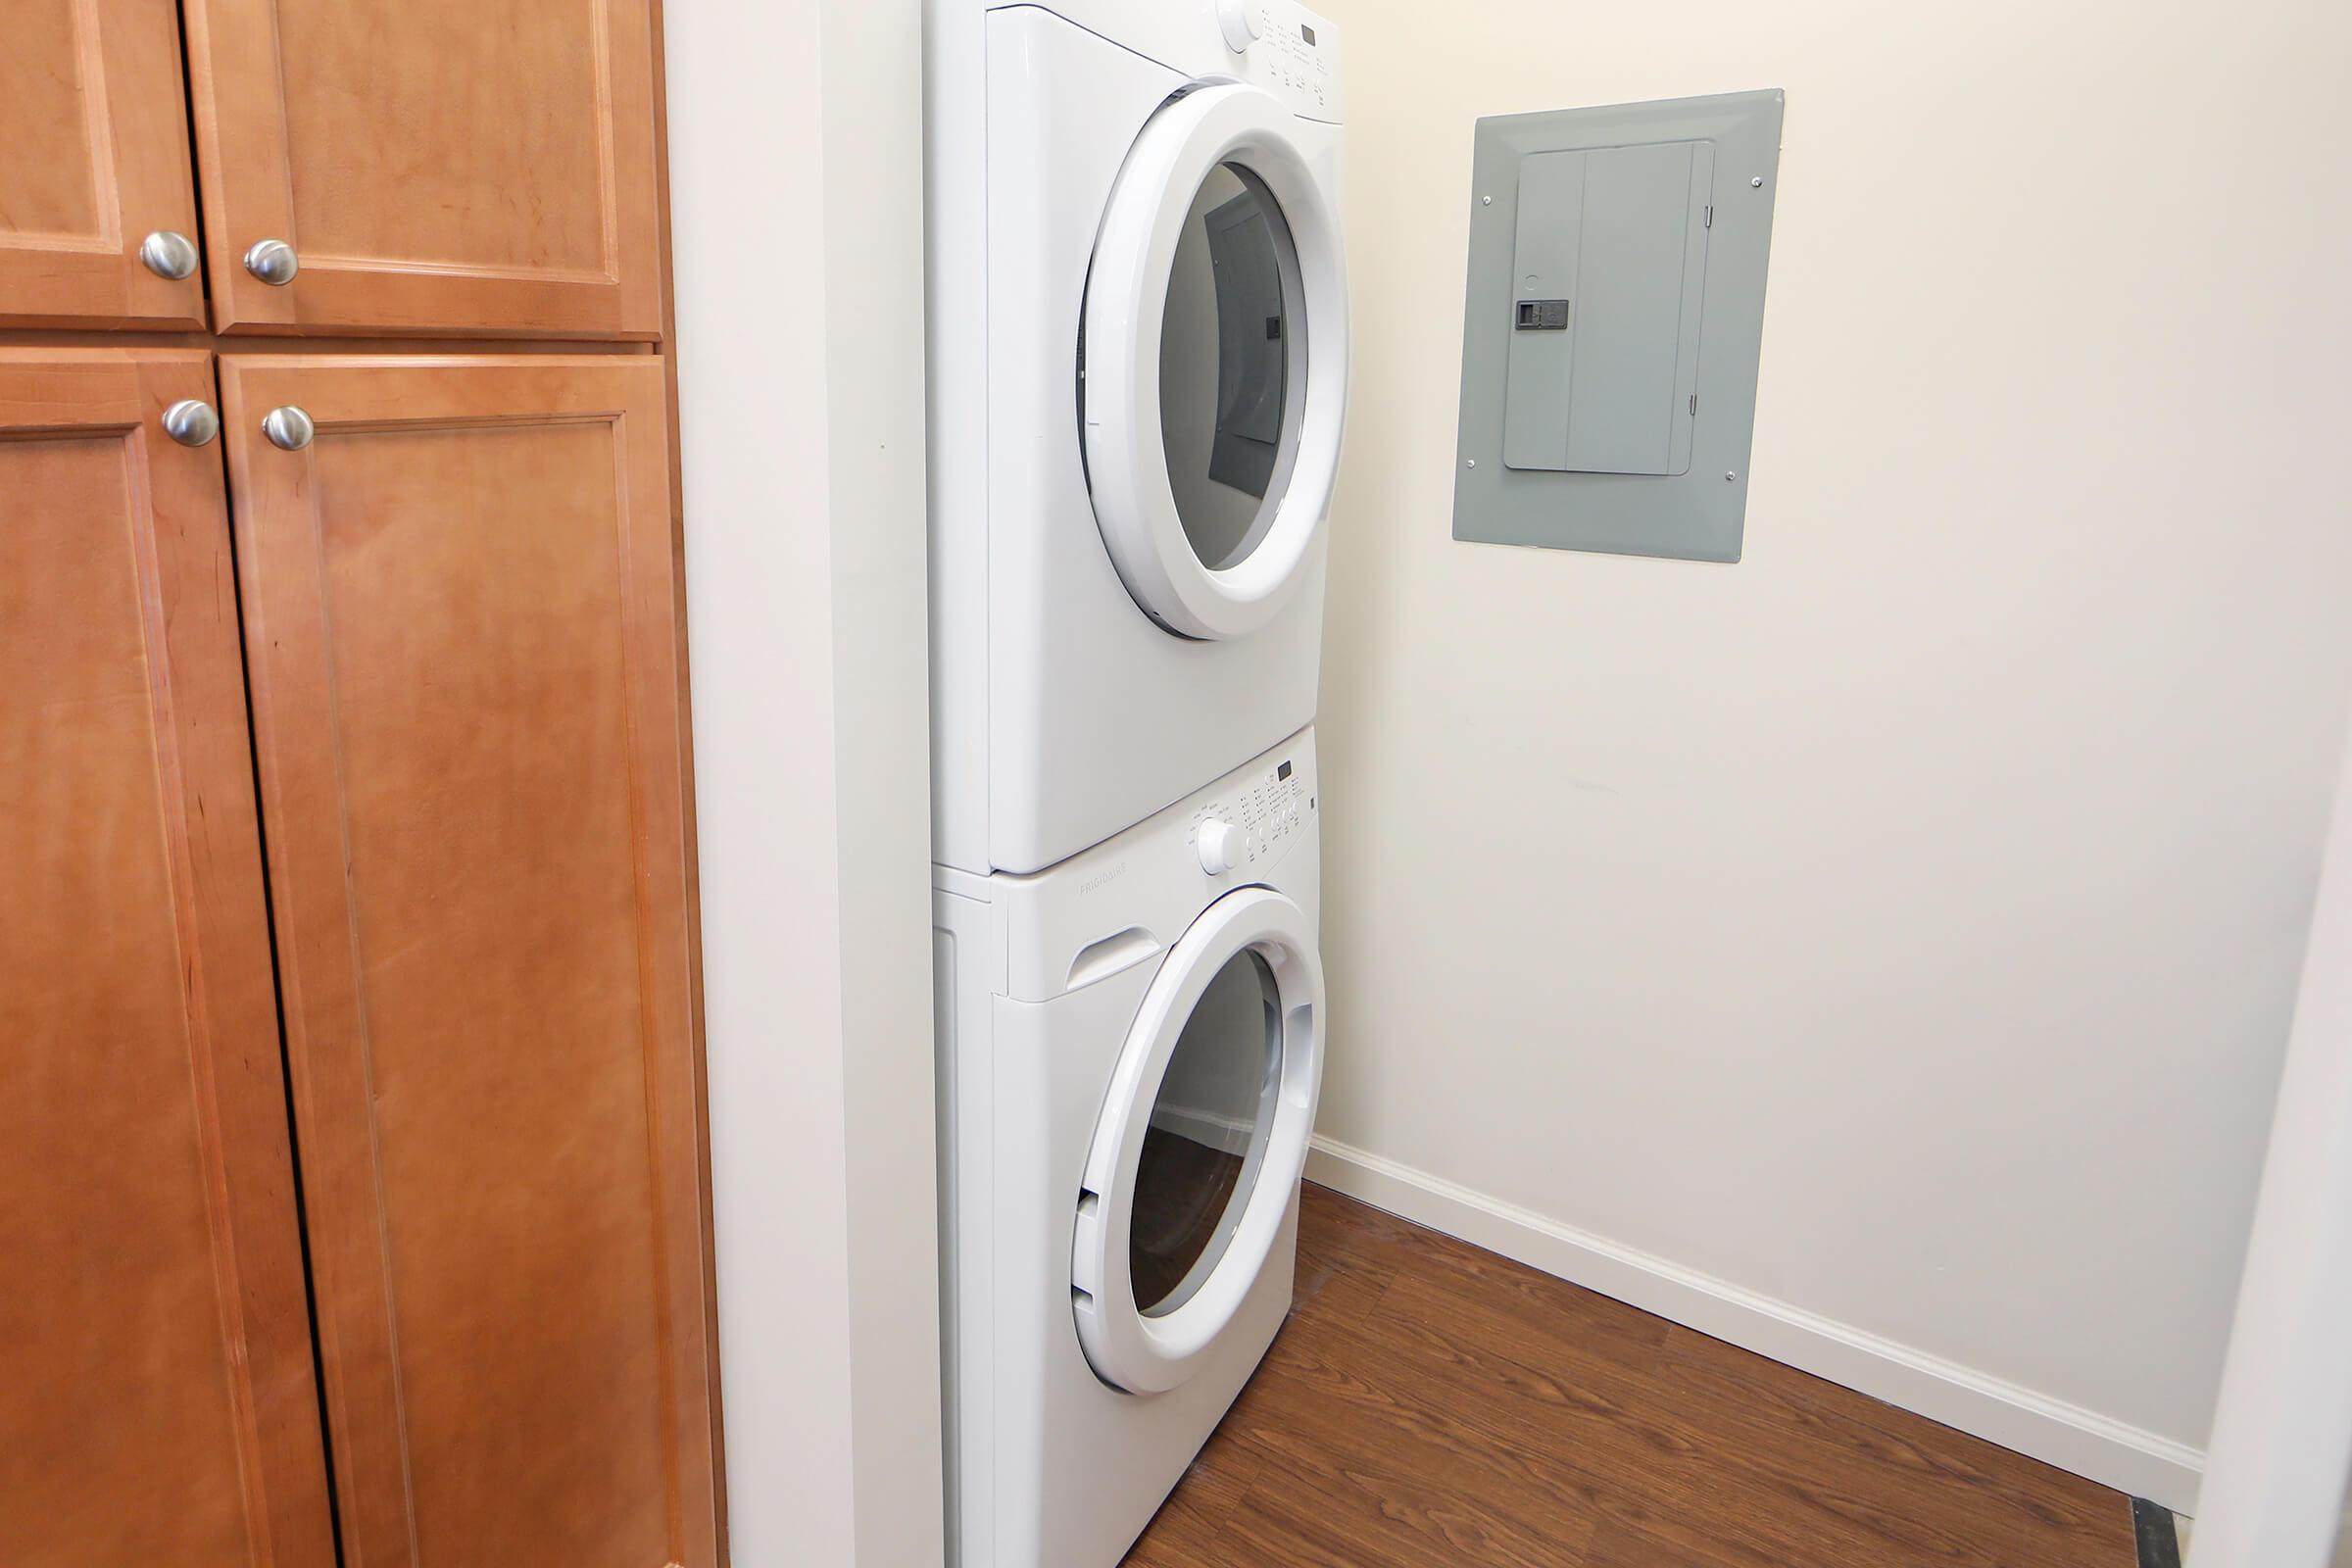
column 1138, row 334
column 1130, row 1046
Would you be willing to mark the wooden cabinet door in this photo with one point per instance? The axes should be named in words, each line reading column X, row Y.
column 439, row 167
column 93, row 158
column 157, row 1403
column 459, row 599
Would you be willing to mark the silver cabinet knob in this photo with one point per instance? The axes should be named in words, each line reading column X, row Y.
column 288, row 429
column 168, row 254
column 191, row 422
column 273, row 262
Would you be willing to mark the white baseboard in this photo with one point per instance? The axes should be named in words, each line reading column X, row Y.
column 2125, row 1457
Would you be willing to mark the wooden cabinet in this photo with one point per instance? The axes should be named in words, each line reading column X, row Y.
column 156, row 1396
column 93, row 158
column 438, row 166
column 435, row 170
column 393, row 1254
column 460, row 606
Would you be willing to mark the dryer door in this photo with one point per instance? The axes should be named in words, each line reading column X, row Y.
column 1213, row 366
column 1201, row 1142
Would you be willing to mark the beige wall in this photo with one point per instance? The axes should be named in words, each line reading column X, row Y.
column 1899, row 927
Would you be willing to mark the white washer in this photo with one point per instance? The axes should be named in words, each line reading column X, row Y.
column 1137, row 333
column 1130, row 1046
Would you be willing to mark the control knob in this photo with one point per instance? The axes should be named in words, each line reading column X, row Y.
column 1243, row 22
column 1222, row 846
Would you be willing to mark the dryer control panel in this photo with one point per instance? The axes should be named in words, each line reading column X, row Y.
column 1249, row 822
column 1278, row 45
column 1286, row 49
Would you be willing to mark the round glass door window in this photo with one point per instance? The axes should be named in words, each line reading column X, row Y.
column 1227, row 381
column 1207, row 1137
column 1213, row 374
column 1197, row 1153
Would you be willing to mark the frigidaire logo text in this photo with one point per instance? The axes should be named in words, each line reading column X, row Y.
column 1100, row 878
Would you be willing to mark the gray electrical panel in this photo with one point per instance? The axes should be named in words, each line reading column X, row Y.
column 1612, row 323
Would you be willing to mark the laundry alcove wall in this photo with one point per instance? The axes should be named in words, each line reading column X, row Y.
column 1878, row 951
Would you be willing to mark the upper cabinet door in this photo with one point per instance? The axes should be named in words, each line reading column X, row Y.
column 157, row 1403
column 93, row 160
column 460, row 591
column 429, row 167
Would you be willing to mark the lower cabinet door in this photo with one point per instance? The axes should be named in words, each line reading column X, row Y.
column 458, row 579
column 157, row 1403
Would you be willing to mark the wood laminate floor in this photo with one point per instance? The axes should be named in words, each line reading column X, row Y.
column 1430, row 1403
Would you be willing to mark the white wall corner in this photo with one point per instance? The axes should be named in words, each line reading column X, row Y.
column 873, row 243
column 2281, row 1446
column 794, row 216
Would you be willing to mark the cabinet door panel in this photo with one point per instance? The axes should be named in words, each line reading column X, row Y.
column 467, row 707
column 435, row 173
column 93, row 157
column 157, row 1403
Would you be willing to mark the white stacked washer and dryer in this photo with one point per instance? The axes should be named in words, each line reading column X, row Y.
column 1138, row 335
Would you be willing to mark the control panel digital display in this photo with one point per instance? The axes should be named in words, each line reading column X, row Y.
column 1284, row 772
column 1308, row 34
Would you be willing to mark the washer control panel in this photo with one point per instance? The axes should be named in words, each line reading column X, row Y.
column 1247, row 825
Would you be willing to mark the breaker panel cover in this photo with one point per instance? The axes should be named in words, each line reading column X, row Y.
column 1612, row 322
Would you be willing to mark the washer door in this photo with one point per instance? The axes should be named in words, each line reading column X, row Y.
column 1214, row 375
column 1202, row 1141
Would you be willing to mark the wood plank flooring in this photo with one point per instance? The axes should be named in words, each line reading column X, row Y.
column 1433, row 1405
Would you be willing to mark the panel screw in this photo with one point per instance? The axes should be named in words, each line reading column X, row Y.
column 1730, row 476
column 1755, row 181
column 1489, row 200
column 1471, row 463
